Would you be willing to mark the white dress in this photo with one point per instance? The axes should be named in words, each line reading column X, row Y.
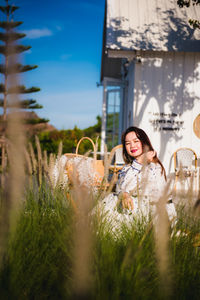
column 145, row 186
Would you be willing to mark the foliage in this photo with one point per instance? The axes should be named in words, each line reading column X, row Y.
column 36, row 121
column 11, row 66
column 94, row 131
column 50, row 140
column 23, row 104
column 187, row 3
column 112, row 133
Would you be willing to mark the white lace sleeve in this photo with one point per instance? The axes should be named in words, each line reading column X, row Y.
column 155, row 181
column 129, row 178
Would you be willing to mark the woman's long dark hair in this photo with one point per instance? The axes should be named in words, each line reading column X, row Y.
column 144, row 139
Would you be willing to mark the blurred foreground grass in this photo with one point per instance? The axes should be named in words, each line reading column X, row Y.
column 39, row 257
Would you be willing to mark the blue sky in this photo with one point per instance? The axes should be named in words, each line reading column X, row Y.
column 66, row 41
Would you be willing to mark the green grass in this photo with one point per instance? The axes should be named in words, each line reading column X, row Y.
column 38, row 262
column 125, row 268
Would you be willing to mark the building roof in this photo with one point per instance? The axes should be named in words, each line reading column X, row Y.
column 158, row 25
column 131, row 26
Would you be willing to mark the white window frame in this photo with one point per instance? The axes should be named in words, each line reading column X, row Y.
column 110, row 82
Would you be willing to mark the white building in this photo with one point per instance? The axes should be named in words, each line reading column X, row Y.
column 151, row 74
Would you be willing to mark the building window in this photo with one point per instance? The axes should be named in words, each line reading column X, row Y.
column 112, row 113
column 113, row 117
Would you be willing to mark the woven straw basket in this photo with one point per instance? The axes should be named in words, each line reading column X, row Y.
column 97, row 165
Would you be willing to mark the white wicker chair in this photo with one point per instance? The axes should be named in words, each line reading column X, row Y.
column 185, row 164
column 118, row 161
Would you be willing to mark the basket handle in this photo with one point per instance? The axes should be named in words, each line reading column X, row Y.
column 93, row 145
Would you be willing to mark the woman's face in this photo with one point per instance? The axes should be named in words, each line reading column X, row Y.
column 133, row 145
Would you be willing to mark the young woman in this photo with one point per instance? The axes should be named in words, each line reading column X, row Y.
column 141, row 181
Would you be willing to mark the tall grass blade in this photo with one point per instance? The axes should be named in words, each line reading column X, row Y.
column 33, row 158
column 161, row 224
column 39, row 157
column 82, row 262
column 12, row 196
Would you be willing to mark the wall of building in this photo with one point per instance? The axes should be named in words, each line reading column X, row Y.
column 164, row 99
column 130, row 79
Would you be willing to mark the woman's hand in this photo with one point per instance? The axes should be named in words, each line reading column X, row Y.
column 148, row 156
column 127, row 201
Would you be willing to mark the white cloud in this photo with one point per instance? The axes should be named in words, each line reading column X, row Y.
column 37, row 33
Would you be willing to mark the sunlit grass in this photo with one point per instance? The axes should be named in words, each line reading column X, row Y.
column 37, row 263
column 60, row 250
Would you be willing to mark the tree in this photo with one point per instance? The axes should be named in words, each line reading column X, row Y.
column 188, row 3
column 50, row 140
column 10, row 49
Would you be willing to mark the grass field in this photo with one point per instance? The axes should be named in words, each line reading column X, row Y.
column 58, row 252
